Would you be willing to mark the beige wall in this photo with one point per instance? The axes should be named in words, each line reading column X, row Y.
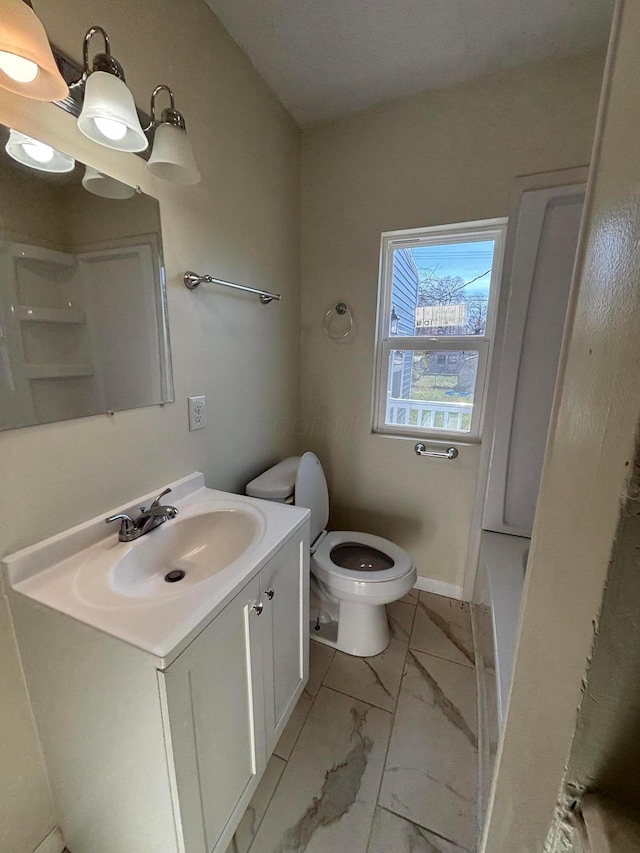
column 443, row 157
column 586, row 482
column 241, row 222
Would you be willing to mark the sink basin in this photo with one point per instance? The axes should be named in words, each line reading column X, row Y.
column 189, row 550
column 220, row 541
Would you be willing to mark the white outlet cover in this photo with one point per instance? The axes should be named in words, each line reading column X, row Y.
column 197, row 413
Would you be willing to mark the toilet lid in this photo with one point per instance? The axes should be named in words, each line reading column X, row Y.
column 312, row 493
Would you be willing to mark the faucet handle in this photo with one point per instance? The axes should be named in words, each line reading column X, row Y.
column 128, row 525
column 159, row 498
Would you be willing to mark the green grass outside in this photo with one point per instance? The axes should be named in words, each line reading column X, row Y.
column 432, row 389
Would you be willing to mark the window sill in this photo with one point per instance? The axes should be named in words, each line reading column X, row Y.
column 444, row 438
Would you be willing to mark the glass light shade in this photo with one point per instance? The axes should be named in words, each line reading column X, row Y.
column 27, row 66
column 104, row 185
column 37, row 155
column 172, row 156
column 108, row 104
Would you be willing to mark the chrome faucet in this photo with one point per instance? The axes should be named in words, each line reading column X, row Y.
column 149, row 519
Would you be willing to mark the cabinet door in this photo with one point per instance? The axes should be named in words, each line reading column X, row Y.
column 285, row 625
column 214, row 706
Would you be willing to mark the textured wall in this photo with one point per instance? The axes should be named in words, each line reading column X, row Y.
column 605, row 753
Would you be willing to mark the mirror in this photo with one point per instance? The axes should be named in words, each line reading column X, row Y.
column 83, row 314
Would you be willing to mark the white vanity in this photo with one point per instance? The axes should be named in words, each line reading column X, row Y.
column 158, row 704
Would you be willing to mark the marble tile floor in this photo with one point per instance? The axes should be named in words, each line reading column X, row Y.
column 380, row 755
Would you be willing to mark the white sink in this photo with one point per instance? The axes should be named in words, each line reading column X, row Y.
column 200, row 546
column 218, row 540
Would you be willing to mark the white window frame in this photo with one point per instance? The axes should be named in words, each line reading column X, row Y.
column 486, row 229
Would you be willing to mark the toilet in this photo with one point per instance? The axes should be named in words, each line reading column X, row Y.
column 353, row 575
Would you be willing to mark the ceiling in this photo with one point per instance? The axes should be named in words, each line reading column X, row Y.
column 327, row 58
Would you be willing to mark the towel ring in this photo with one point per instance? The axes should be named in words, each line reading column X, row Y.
column 341, row 309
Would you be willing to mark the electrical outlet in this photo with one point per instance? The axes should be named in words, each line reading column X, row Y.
column 197, row 413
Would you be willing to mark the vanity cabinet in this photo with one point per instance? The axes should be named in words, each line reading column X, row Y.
column 150, row 755
column 229, row 695
column 214, row 699
column 284, row 624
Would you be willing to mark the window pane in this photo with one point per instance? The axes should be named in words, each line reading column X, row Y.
column 432, row 389
column 441, row 289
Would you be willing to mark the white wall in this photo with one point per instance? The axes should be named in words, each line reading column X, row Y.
column 445, row 156
column 241, row 222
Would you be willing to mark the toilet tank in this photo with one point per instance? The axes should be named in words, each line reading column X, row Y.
column 277, row 483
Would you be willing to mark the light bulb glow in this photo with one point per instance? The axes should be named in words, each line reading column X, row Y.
column 17, row 67
column 36, row 154
column 39, row 151
column 111, row 128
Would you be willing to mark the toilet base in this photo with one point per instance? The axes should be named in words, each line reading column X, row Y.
column 357, row 629
column 363, row 629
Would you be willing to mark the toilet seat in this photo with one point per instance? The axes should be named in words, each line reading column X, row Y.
column 325, row 565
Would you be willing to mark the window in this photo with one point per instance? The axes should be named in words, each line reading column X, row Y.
column 436, row 316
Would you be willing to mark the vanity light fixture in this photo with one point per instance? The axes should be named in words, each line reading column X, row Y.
column 98, row 96
column 172, row 155
column 37, row 155
column 109, row 115
column 27, row 66
column 105, row 186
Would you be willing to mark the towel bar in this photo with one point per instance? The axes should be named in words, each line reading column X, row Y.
column 449, row 453
column 192, row 280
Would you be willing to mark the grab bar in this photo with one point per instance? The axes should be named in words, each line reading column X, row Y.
column 192, row 280
column 449, row 453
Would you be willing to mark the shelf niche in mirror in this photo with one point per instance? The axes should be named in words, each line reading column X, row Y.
column 83, row 313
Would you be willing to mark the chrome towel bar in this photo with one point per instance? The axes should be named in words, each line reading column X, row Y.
column 192, row 280
column 449, row 453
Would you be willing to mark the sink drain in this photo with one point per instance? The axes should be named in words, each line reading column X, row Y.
column 174, row 576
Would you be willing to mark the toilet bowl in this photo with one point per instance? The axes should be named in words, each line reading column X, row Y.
column 353, row 575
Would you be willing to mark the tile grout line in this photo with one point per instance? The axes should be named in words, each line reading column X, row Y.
column 286, row 763
column 392, row 714
column 304, row 723
column 413, row 620
column 467, row 609
column 386, row 756
column 465, row 666
column 440, row 657
column 393, row 724
column 367, row 701
column 390, row 811
column 273, row 793
column 357, row 699
column 393, row 721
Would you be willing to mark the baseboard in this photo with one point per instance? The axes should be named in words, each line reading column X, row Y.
column 450, row 590
column 53, row 843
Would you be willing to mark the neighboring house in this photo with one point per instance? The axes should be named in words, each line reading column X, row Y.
column 404, row 298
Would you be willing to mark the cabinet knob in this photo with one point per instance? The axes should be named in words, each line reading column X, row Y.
column 270, row 593
column 257, row 608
